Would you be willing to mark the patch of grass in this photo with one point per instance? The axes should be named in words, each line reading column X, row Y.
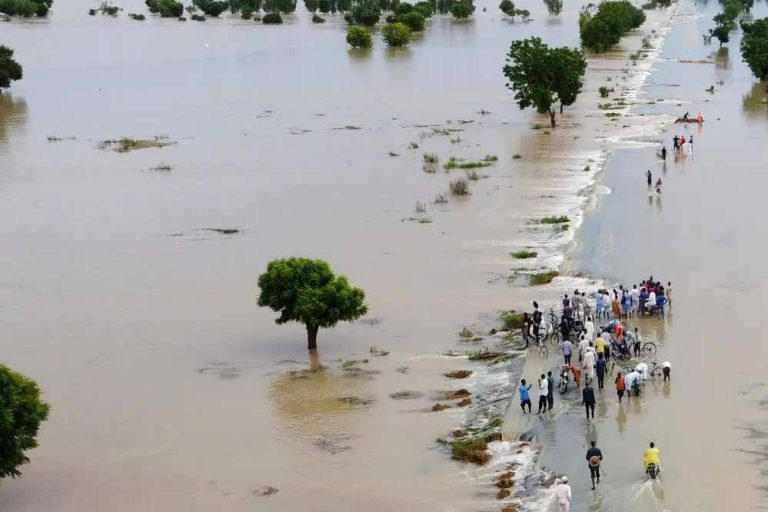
column 542, row 278
column 470, row 450
column 516, row 156
column 317, row 19
column 127, row 144
column 163, row 167
column 552, row 219
column 420, row 207
column 524, row 254
column 605, row 91
column 465, row 333
column 441, row 199
column 459, row 187
column 458, row 374
column 413, row 145
column 431, row 158
column 455, row 140
column 484, row 354
column 512, row 320
column 473, row 176
column 197, row 17
column 490, row 158
column 137, row 17
column 457, row 163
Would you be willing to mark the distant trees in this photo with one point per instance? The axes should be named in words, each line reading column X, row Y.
column 602, row 29
column 21, row 413
column 462, row 9
column 165, row 8
column 725, row 21
column 542, row 77
column 396, row 34
column 26, row 8
column 359, row 37
column 365, row 12
column 508, row 8
column 307, row 291
column 554, row 6
column 10, row 70
column 754, row 47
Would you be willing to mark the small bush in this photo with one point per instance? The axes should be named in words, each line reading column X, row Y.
column 420, row 207
column 396, row 34
column 165, row 8
column 246, row 13
column 137, row 17
column 524, row 254
column 365, row 13
column 359, row 37
column 425, row 8
column 441, row 199
column 414, row 20
column 212, row 8
column 317, row 19
column 604, row 91
column 459, row 187
column 554, row 219
column 431, row 158
column 542, row 277
column 272, row 18
column 490, row 158
column 512, row 320
column 197, row 17
column 456, row 163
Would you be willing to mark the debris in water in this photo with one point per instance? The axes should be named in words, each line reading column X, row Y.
column 454, row 395
column 465, row 402
column 127, row 144
column 503, row 493
column 266, row 491
column 222, row 231
column 440, row 407
column 378, row 353
column 405, row 395
column 393, row 154
column 355, row 401
column 333, row 444
column 458, row 374
column 402, row 369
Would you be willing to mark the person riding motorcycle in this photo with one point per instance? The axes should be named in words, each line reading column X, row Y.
column 652, row 457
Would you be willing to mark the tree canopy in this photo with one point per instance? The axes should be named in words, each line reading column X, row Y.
column 21, row 413
column 9, row 69
column 462, row 9
column 165, row 8
column 754, row 47
column 359, row 37
column 26, row 8
column 396, row 34
column 307, row 291
column 542, row 76
column 604, row 28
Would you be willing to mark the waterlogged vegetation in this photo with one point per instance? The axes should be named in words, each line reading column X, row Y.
column 603, row 26
column 10, row 70
column 26, row 8
column 127, row 144
column 754, row 47
column 165, row 8
column 524, row 254
column 359, row 37
column 544, row 77
column 396, row 34
column 554, row 219
column 542, row 278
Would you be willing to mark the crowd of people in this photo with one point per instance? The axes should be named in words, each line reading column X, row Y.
column 594, row 347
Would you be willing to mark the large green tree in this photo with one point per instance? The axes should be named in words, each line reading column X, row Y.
column 9, row 69
column 307, row 291
column 604, row 27
column 21, row 412
column 754, row 47
column 542, row 76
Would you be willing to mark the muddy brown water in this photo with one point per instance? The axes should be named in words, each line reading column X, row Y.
column 169, row 387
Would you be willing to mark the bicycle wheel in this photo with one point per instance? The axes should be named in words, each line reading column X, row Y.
column 563, row 387
column 552, row 318
column 543, row 351
column 649, row 350
column 555, row 339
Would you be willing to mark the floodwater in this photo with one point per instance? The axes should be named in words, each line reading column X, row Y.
column 169, row 386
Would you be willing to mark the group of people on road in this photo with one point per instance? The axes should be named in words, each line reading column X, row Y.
column 650, row 297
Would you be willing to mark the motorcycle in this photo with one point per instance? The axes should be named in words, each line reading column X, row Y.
column 652, row 470
column 565, row 378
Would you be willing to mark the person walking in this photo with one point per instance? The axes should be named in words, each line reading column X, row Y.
column 636, row 343
column 600, row 371
column 589, row 328
column 588, row 399
column 594, row 458
column 567, row 351
column 663, row 152
column 526, row 328
column 616, row 307
column 543, row 392
column 666, row 369
column 583, row 346
column 589, row 363
column 525, row 398
column 649, row 178
column 620, row 386
column 550, row 390
column 563, row 494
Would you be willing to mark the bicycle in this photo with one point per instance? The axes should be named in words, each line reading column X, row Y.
column 656, row 370
column 543, row 350
column 648, row 350
column 552, row 317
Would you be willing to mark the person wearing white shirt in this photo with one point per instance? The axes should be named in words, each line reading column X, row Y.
column 583, row 345
column 630, row 380
column 589, row 327
column 589, row 361
column 666, row 369
column 635, row 299
column 642, row 369
column 543, row 392
column 563, row 494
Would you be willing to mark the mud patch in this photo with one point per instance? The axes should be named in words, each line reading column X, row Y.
column 458, row 374
column 127, row 144
column 405, row 395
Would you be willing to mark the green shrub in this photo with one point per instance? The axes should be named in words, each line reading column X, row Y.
column 165, row 8
column 425, row 8
column 403, row 8
column 211, row 8
column 272, row 18
column 365, row 13
column 137, row 17
column 359, row 37
column 462, row 9
column 512, row 320
column 25, row 8
column 542, row 278
column 10, row 70
column 246, row 12
column 554, row 219
column 414, row 20
column 507, row 7
column 317, row 19
column 470, row 450
column 524, row 254
column 396, row 34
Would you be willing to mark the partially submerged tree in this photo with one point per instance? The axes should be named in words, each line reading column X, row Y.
column 605, row 27
column 21, row 413
column 462, row 9
column 554, row 6
column 307, row 291
column 542, row 76
column 10, row 70
column 366, row 12
column 359, row 37
column 165, row 8
column 25, row 8
column 754, row 47
column 396, row 34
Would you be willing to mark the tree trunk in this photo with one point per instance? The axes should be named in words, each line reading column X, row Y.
column 561, row 109
column 312, row 337
column 552, row 118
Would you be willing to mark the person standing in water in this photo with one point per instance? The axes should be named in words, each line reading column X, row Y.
column 600, row 371
column 588, row 399
column 550, row 390
column 663, row 152
column 594, row 458
column 563, row 493
column 525, row 398
column 658, row 186
column 543, row 392
column 620, row 386
column 649, row 178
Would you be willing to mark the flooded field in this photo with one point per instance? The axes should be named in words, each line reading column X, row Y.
column 128, row 282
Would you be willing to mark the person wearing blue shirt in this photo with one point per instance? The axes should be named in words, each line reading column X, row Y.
column 525, row 398
column 660, row 301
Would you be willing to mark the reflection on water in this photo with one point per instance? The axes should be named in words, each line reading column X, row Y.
column 721, row 58
column 13, row 114
column 756, row 100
